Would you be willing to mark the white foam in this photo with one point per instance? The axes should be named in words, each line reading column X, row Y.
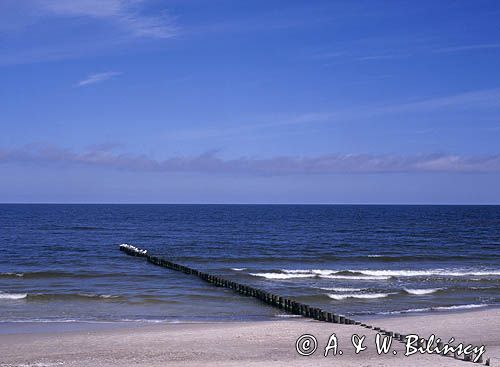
column 281, row 276
column 460, row 307
column 287, row 316
column 238, row 269
column 341, row 297
column 441, row 308
column 334, row 274
column 13, row 295
column 394, row 273
column 108, row 296
column 342, row 289
column 356, row 277
column 421, row 292
column 404, row 311
column 308, row 271
column 92, row 295
column 418, row 273
column 13, row 274
column 367, row 274
column 374, row 255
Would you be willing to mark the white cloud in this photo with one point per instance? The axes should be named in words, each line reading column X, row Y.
column 483, row 46
column 479, row 100
column 105, row 156
column 94, row 8
column 97, row 78
column 48, row 30
column 125, row 14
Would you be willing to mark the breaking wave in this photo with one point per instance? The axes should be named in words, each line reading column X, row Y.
column 58, row 297
column 342, row 289
column 11, row 275
column 340, row 297
column 13, row 296
column 422, row 292
column 371, row 274
column 282, row 276
column 439, row 308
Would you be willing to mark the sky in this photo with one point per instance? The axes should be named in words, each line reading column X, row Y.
column 220, row 101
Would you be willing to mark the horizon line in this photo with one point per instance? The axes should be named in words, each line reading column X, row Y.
column 243, row 203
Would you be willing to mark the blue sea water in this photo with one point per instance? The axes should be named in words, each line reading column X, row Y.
column 62, row 263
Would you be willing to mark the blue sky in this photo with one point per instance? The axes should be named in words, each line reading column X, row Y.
column 250, row 102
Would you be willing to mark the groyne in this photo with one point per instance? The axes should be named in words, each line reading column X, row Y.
column 283, row 303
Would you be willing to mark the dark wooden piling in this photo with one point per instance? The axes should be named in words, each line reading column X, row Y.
column 440, row 345
column 480, row 359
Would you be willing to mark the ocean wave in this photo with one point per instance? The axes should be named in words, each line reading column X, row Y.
column 316, row 273
column 416, row 258
column 337, row 274
column 459, row 307
column 365, row 274
column 282, row 276
column 328, row 258
column 71, row 296
column 439, row 308
column 90, row 321
column 58, row 274
column 340, row 297
column 342, row 289
column 313, row 271
column 420, row 273
column 11, row 275
column 287, row 316
column 393, row 273
column 238, row 269
column 13, row 296
column 353, row 277
column 484, row 288
column 421, row 292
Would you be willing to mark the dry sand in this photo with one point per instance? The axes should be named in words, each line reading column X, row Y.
column 263, row 343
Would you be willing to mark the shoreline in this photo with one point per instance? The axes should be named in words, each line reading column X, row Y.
column 61, row 325
column 231, row 343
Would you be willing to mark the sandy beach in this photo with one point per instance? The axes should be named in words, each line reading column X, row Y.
column 261, row 343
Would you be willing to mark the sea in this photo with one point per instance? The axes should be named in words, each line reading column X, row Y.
column 61, row 263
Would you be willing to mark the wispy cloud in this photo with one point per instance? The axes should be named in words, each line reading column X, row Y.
column 97, row 78
column 388, row 56
column 124, row 13
column 478, row 100
column 473, row 99
column 48, row 30
column 359, row 51
column 281, row 165
column 483, row 46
